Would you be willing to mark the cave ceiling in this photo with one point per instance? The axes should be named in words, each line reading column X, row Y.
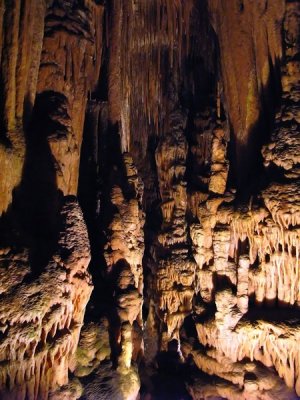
column 149, row 199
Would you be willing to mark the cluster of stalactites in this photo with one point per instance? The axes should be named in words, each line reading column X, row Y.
column 46, row 47
column 237, row 380
column 148, row 42
column 266, row 272
column 41, row 320
column 174, row 277
column 248, row 258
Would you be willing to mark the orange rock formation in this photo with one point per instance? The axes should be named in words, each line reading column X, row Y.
column 149, row 149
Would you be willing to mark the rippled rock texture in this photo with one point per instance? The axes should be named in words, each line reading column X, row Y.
column 149, row 199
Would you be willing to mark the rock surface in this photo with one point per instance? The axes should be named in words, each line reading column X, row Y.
column 41, row 318
column 149, row 149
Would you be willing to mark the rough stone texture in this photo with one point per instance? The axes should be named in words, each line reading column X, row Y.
column 174, row 276
column 92, row 349
column 41, row 318
column 256, row 249
column 110, row 384
column 249, row 36
column 283, row 150
column 157, row 36
column 70, row 65
column 180, row 121
column 22, row 31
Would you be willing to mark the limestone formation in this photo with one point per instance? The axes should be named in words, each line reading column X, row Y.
column 22, row 31
column 41, row 318
column 149, row 199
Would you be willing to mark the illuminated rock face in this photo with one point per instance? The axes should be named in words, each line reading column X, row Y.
column 40, row 42
column 249, row 36
column 70, row 65
column 21, row 46
column 257, row 249
column 176, row 124
column 41, row 318
column 124, row 255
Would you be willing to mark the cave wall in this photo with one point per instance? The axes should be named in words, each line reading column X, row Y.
column 149, row 150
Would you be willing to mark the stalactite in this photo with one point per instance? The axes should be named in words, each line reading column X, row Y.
column 73, row 73
column 157, row 34
column 48, row 323
column 190, row 228
column 22, row 29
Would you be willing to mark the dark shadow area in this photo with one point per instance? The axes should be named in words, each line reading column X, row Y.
column 99, row 216
column 278, row 313
column 199, row 95
column 89, row 184
column 247, row 172
column 222, row 282
column 168, row 381
column 101, row 167
column 188, row 329
column 36, row 201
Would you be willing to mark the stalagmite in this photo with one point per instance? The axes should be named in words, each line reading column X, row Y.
column 40, row 312
column 219, row 166
column 242, row 284
column 149, row 149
